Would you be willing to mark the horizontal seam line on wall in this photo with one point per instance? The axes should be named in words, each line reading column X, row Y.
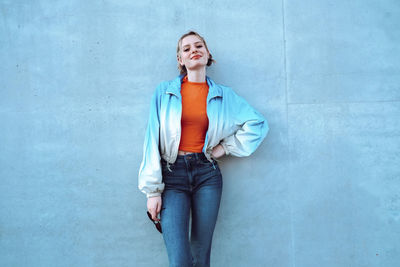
column 347, row 102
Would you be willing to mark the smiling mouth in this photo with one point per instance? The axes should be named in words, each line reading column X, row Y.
column 196, row 57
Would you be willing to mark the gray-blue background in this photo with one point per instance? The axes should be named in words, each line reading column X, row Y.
column 76, row 78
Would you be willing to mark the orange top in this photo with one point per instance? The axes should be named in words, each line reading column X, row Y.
column 194, row 121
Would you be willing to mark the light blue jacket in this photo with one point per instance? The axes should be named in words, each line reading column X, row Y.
column 233, row 123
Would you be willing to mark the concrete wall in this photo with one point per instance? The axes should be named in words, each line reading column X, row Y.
column 76, row 79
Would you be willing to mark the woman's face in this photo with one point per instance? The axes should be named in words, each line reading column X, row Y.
column 193, row 53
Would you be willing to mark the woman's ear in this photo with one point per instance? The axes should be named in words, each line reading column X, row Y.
column 178, row 58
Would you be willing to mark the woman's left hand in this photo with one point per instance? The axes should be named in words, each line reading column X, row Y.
column 218, row 151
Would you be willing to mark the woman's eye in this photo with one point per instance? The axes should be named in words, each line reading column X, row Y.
column 187, row 49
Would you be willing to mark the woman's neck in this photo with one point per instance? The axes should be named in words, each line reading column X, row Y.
column 197, row 76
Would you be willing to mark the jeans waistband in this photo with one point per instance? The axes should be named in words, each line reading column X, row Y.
column 192, row 156
column 188, row 159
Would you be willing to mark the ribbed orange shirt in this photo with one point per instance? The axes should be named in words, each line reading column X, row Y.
column 194, row 121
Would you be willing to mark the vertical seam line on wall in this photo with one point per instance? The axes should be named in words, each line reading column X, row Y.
column 292, row 239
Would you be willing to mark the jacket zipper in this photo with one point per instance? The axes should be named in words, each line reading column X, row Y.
column 179, row 132
column 209, row 122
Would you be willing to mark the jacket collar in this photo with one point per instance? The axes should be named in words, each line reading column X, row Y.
column 175, row 87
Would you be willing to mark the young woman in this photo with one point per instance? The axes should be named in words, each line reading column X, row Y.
column 193, row 121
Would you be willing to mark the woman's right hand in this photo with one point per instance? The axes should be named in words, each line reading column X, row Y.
column 154, row 207
column 218, row 151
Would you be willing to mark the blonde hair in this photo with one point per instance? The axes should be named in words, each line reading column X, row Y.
column 183, row 69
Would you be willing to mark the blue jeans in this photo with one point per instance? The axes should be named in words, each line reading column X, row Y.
column 191, row 183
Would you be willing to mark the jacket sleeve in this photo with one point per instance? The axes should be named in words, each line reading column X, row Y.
column 150, row 177
column 251, row 127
